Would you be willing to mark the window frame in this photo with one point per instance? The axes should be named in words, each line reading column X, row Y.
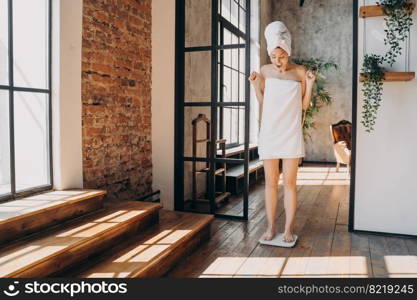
column 225, row 24
column 11, row 88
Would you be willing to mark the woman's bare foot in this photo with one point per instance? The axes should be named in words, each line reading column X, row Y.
column 288, row 237
column 269, row 234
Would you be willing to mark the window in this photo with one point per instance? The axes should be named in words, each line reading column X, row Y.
column 232, row 23
column 25, row 97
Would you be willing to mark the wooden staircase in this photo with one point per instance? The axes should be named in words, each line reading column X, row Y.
column 130, row 239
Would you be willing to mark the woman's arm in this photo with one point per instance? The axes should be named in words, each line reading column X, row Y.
column 307, row 83
column 258, row 82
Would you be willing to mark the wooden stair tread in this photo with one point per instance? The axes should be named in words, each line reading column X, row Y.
column 147, row 252
column 32, row 214
column 207, row 170
column 62, row 246
column 36, row 204
column 238, row 171
column 236, row 150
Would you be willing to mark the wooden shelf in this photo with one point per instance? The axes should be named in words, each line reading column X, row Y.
column 395, row 76
column 369, row 11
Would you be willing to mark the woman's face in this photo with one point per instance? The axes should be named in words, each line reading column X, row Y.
column 279, row 57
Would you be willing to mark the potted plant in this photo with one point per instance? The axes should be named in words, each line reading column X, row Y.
column 320, row 95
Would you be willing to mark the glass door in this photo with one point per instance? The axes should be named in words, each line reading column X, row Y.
column 212, row 107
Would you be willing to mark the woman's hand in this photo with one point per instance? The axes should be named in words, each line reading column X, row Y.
column 256, row 80
column 310, row 77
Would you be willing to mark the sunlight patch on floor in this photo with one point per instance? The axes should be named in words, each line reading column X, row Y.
column 401, row 265
column 325, row 266
column 321, row 176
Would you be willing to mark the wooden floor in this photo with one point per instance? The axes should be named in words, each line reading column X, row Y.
column 325, row 247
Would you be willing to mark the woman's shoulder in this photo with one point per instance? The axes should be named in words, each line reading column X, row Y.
column 299, row 68
column 265, row 68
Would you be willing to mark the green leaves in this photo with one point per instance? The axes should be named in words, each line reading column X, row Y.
column 398, row 22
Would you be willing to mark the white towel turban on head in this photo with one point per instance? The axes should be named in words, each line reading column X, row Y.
column 278, row 35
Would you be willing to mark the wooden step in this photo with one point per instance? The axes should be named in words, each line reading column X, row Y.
column 153, row 253
column 239, row 171
column 32, row 214
column 76, row 240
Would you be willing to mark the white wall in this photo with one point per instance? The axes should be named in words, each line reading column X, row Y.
column 66, row 93
column 255, row 65
column 386, row 189
column 163, row 100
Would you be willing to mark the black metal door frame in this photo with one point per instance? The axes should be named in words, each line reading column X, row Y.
column 180, row 104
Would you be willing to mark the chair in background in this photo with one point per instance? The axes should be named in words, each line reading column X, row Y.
column 341, row 134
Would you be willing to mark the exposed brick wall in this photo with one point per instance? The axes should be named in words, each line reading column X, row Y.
column 116, row 92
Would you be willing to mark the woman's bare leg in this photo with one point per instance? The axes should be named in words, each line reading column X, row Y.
column 271, row 196
column 290, row 168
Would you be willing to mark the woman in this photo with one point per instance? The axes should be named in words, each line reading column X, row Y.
column 283, row 89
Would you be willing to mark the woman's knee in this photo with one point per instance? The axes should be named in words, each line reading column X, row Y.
column 290, row 183
column 271, row 182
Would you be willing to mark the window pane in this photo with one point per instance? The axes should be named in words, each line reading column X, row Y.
column 30, row 43
column 234, row 14
column 242, row 84
column 226, row 9
column 197, row 76
column 242, row 20
column 227, row 85
column 31, row 140
column 241, row 125
column 5, row 143
column 234, row 125
column 197, row 23
column 235, row 86
column 242, row 60
column 4, row 44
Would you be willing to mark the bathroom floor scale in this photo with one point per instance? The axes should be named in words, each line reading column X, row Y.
column 278, row 241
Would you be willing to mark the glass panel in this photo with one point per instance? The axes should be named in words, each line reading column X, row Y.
column 230, row 186
column 197, row 23
column 196, row 193
column 5, row 144
column 226, row 9
column 235, row 86
column 4, row 43
column 227, row 37
column 242, row 62
column 227, row 87
column 197, row 75
column 242, row 84
column 235, row 59
column 241, row 125
column 31, row 140
column 232, row 124
column 227, row 57
column 192, row 113
column 234, row 13
column 242, row 20
column 30, row 31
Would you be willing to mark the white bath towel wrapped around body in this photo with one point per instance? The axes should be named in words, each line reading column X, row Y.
column 281, row 133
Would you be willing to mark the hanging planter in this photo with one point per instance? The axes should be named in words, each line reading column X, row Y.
column 398, row 22
column 373, row 75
